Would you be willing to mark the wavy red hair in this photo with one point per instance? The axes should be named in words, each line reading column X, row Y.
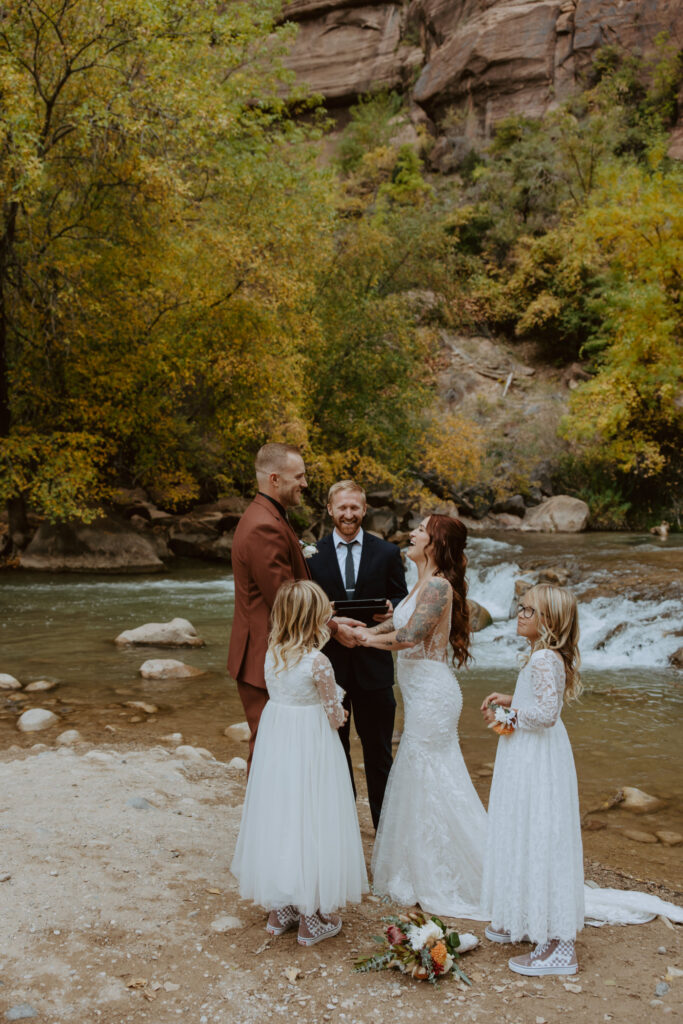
column 448, row 538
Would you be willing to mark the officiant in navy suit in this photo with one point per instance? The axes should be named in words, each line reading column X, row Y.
column 352, row 564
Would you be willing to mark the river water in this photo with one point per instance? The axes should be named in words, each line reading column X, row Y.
column 625, row 730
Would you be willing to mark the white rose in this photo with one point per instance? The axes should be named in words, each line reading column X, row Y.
column 419, row 937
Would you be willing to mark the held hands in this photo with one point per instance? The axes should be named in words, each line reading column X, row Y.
column 365, row 637
column 346, row 634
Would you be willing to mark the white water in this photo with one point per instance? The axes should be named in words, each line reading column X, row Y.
column 616, row 632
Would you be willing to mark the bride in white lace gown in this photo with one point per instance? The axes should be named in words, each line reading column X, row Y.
column 432, row 830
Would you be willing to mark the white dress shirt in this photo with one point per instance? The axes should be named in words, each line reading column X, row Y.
column 339, row 546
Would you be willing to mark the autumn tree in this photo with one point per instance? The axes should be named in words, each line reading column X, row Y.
column 159, row 208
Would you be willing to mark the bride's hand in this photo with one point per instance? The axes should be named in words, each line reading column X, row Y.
column 504, row 699
column 363, row 636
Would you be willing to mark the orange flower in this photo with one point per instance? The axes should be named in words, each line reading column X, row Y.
column 439, row 954
column 502, row 730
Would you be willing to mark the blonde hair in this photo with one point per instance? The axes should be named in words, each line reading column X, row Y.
column 558, row 627
column 345, row 485
column 299, row 618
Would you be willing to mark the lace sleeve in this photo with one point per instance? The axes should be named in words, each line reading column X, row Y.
column 547, row 680
column 328, row 691
column 428, row 611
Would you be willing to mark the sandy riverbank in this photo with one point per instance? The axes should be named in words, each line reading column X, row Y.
column 119, row 887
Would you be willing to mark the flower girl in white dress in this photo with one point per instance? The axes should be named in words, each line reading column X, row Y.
column 532, row 886
column 299, row 851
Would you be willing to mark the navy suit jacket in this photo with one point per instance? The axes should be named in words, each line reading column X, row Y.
column 380, row 574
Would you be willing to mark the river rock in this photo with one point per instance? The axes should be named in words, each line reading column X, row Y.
column 480, row 618
column 561, row 514
column 141, row 705
column 41, row 685
column 22, row 1011
column 675, row 659
column 8, row 682
column 239, row 731
column 638, row 802
column 103, row 546
column 225, row 923
column 68, row 738
column 639, row 837
column 176, row 633
column 172, row 737
column 194, row 753
column 669, row 838
column 101, row 757
column 168, row 668
column 238, row 764
column 36, row 719
column 557, row 576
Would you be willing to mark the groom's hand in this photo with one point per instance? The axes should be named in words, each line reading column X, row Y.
column 346, row 634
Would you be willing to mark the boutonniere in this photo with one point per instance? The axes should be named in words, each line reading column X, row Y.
column 308, row 550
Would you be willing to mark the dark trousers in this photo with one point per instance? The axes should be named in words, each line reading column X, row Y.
column 254, row 699
column 373, row 716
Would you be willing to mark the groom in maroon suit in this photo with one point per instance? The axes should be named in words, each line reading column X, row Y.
column 265, row 554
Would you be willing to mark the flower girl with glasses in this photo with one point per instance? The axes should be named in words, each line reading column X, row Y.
column 532, row 887
column 299, row 851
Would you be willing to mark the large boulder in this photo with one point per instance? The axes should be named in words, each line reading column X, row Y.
column 480, row 618
column 103, row 546
column 561, row 514
column 176, row 633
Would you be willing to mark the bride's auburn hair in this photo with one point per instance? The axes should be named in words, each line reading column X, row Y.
column 448, row 538
column 558, row 628
column 299, row 617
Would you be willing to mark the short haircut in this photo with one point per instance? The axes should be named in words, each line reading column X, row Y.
column 271, row 457
column 344, row 485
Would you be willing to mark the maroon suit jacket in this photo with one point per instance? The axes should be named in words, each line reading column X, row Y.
column 265, row 554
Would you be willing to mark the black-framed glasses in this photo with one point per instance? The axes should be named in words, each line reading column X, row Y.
column 526, row 611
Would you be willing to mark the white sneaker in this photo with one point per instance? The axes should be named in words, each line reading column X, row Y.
column 281, row 920
column 496, row 935
column 316, row 927
column 553, row 957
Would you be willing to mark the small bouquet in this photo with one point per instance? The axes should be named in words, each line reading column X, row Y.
column 420, row 946
column 308, row 550
column 504, row 721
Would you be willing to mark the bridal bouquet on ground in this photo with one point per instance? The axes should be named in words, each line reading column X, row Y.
column 420, row 946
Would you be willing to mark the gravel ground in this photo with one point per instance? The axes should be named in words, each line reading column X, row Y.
column 120, row 908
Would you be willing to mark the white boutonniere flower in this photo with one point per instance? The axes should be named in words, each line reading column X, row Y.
column 308, row 550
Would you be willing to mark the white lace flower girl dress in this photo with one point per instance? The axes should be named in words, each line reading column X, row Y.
column 299, row 842
column 533, row 865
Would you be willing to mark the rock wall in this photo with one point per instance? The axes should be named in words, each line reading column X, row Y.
column 489, row 57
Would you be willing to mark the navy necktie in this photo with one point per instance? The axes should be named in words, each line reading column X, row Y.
column 349, row 572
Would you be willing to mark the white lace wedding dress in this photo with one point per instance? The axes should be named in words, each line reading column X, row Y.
column 299, row 841
column 431, row 834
